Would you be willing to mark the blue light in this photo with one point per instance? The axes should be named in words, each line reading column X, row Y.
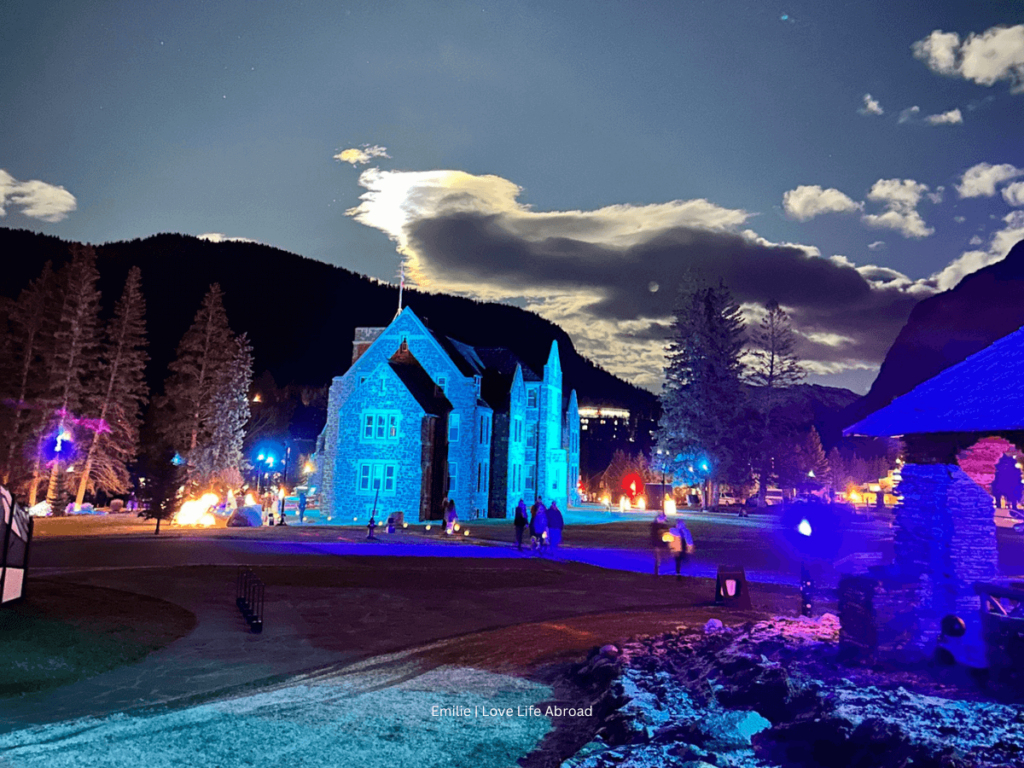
column 177, row 459
column 704, row 466
column 260, row 457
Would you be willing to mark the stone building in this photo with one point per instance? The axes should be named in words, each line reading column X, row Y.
column 485, row 432
column 945, row 531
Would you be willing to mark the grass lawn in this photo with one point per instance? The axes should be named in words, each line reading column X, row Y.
column 64, row 632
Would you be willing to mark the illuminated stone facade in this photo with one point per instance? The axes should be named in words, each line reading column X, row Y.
column 506, row 432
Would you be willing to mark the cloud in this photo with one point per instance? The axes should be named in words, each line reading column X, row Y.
column 878, row 245
column 871, row 106
column 980, row 180
column 995, row 54
column 806, row 202
column 953, row 117
column 36, row 199
column 1013, row 194
column 219, row 237
column 909, row 114
column 971, row 261
column 900, row 198
column 976, row 240
column 937, row 195
column 591, row 271
column 959, row 219
column 361, row 155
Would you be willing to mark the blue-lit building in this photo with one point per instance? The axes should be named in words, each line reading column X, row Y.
column 420, row 417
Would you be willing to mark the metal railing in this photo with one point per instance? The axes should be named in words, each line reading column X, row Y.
column 249, row 590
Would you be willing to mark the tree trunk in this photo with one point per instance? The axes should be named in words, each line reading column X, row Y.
column 158, row 518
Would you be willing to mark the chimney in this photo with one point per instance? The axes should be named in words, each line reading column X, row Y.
column 363, row 339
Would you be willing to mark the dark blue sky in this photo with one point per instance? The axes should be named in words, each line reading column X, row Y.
column 226, row 117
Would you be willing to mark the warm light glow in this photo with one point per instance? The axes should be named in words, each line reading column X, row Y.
column 855, row 497
column 426, row 528
column 607, row 501
column 466, row 532
column 804, row 528
column 666, row 537
column 456, row 526
column 623, row 504
column 405, row 525
column 309, row 468
column 256, row 398
column 641, row 503
column 197, row 511
column 249, row 500
column 670, row 506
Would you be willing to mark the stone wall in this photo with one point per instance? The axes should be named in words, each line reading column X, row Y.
column 945, row 540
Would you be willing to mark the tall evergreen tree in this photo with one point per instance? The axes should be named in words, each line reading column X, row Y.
column 199, row 411
column 220, row 462
column 773, row 366
column 115, row 439
column 702, row 398
column 25, row 372
column 74, row 359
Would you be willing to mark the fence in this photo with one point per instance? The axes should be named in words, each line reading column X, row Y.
column 249, row 591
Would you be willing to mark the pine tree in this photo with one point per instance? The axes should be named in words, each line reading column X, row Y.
column 28, row 343
column 773, row 366
column 702, row 398
column 74, row 360
column 116, row 429
column 205, row 351
column 220, row 462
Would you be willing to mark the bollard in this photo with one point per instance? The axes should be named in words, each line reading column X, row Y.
column 731, row 587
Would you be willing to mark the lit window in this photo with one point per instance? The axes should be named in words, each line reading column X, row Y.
column 368, row 427
column 393, row 426
column 453, row 428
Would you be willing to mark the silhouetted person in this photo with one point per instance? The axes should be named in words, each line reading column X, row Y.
column 681, row 545
column 659, row 527
column 520, row 523
column 555, row 526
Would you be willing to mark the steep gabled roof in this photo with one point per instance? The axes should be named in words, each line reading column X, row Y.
column 496, row 388
column 504, row 361
column 980, row 394
column 418, row 382
column 463, row 355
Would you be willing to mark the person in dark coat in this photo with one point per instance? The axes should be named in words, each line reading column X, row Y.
column 520, row 523
column 555, row 526
column 659, row 545
column 539, row 525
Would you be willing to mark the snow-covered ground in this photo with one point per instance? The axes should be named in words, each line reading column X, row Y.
column 383, row 712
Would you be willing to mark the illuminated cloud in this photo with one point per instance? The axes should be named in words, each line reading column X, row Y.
column 591, row 271
column 35, row 199
column 986, row 58
column 1013, row 194
column 361, row 155
column 871, row 106
column 971, row 261
column 981, row 180
column 900, row 198
column 806, row 202
column 219, row 237
column 953, row 117
column 878, row 245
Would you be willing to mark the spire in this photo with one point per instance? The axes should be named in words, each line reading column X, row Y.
column 401, row 287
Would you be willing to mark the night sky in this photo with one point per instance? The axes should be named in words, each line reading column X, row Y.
column 577, row 158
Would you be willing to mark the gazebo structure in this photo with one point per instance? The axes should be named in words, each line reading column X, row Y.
column 945, row 530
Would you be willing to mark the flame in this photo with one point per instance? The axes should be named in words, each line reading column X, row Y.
column 641, row 503
column 670, row 506
column 249, row 500
column 197, row 511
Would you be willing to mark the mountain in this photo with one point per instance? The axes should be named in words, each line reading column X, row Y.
column 300, row 314
column 814, row 405
column 946, row 328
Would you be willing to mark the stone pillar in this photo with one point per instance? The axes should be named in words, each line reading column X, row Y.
column 945, row 538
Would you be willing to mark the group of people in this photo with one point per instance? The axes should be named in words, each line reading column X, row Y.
column 545, row 524
column 676, row 540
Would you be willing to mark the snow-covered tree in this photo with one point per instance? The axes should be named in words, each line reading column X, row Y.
column 702, row 400
column 221, row 461
column 75, row 356
column 200, row 412
column 122, row 393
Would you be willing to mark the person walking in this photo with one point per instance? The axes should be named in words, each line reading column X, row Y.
column 302, row 506
column 451, row 518
column 659, row 546
column 520, row 523
column 555, row 525
column 539, row 526
column 681, row 544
